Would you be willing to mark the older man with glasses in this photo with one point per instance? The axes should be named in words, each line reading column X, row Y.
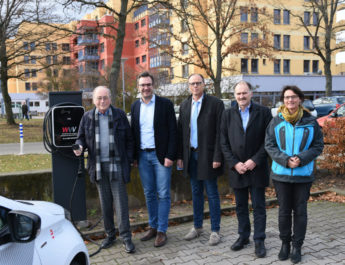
column 199, row 153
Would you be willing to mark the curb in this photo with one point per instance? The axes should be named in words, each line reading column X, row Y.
column 189, row 217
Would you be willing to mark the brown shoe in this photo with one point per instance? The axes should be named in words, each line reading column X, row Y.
column 161, row 239
column 149, row 234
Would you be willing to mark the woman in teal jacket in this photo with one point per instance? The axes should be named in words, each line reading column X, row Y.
column 293, row 141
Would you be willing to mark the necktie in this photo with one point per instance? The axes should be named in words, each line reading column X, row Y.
column 194, row 125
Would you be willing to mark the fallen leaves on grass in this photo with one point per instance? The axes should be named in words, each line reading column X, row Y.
column 329, row 196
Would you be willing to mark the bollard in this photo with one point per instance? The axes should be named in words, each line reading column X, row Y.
column 21, row 139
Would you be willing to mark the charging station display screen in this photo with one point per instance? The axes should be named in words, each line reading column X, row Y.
column 65, row 124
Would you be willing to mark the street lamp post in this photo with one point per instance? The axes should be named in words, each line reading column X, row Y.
column 123, row 60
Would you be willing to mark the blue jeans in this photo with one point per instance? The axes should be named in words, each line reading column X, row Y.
column 198, row 196
column 155, row 179
column 242, row 212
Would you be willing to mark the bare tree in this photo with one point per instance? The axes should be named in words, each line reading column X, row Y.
column 210, row 32
column 20, row 35
column 318, row 19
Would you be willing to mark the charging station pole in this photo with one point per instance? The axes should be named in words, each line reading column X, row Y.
column 65, row 168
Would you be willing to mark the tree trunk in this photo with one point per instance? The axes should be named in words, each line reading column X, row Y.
column 4, row 87
column 218, row 79
column 115, row 67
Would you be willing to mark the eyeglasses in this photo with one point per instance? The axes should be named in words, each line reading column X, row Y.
column 195, row 84
column 145, row 85
column 291, row 97
column 102, row 98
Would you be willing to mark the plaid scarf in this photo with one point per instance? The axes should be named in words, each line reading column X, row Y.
column 115, row 160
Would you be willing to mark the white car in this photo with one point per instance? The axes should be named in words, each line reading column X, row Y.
column 38, row 233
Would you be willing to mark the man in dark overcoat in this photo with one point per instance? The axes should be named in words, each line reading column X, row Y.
column 243, row 129
column 199, row 153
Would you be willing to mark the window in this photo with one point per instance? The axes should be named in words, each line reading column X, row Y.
column 276, row 41
column 184, row 3
column 102, row 64
column 25, row 45
column 65, row 47
column 143, row 58
column 306, row 42
column 255, row 69
column 244, row 65
column 136, row 26
column 137, row 60
column 286, row 17
column 185, row 48
column 37, row 103
column 307, row 18
column 306, row 64
column 27, row 72
column 66, row 60
column 55, row 72
column 244, row 38
column 27, row 86
column 47, row 46
column 277, row 66
column 137, row 43
column 33, row 73
column 315, row 66
column 55, row 59
column 276, row 16
column 286, row 66
column 32, row 45
column 315, row 18
column 54, row 46
column 143, row 40
column 26, row 59
column 143, row 22
column 48, row 59
column 102, row 47
column 33, row 59
column 254, row 14
column 244, row 14
column 34, row 86
column 286, row 42
column 185, row 71
column 184, row 26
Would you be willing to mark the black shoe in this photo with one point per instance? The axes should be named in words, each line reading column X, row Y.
column 108, row 242
column 240, row 243
column 284, row 251
column 260, row 250
column 296, row 255
column 149, row 234
column 129, row 246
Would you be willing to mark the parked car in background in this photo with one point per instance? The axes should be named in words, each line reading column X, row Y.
column 39, row 233
column 326, row 105
column 308, row 104
column 333, row 117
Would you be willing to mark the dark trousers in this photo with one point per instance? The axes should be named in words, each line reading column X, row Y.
column 292, row 197
column 259, row 208
column 114, row 194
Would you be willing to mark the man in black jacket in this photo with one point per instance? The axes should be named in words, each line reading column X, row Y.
column 105, row 132
column 243, row 130
column 153, row 124
column 199, row 153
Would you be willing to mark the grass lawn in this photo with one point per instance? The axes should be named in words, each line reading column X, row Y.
column 32, row 129
column 13, row 163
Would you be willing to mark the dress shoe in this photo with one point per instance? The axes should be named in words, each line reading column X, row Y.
column 161, row 239
column 108, row 242
column 284, row 251
column 260, row 250
column 296, row 255
column 240, row 243
column 149, row 234
column 129, row 246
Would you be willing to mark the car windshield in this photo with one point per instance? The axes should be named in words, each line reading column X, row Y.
column 341, row 111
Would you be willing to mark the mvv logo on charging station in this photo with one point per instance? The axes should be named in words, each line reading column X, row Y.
column 65, row 124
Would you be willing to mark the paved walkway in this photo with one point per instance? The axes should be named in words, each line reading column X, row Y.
column 324, row 244
column 29, row 148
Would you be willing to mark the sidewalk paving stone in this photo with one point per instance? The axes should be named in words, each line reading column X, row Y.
column 324, row 243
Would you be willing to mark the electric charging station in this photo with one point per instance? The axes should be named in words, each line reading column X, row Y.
column 65, row 114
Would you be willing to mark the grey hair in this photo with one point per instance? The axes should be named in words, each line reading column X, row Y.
column 99, row 88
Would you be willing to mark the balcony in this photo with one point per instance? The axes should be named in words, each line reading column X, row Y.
column 88, row 40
